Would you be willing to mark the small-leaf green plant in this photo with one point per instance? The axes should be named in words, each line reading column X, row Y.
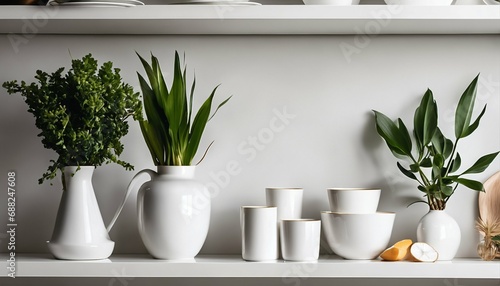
column 170, row 131
column 435, row 162
column 82, row 114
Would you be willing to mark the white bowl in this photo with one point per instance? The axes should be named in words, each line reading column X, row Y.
column 357, row 236
column 353, row 200
column 331, row 2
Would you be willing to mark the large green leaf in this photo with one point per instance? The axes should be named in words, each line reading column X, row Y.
column 161, row 90
column 474, row 125
column 426, row 118
column 391, row 133
column 481, row 164
column 176, row 102
column 406, row 172
column 471, row 184
column 465, row 107
column 438, row 141
column 150, row 73
column 405, row 136
column 199, row 123
column 153, row 142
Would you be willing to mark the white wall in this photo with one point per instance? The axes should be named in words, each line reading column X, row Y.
column 331, row 141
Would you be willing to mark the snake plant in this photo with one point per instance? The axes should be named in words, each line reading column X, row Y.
column 172, row 130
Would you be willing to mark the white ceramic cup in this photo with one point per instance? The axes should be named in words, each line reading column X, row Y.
column 300, row 239
column 288, row 201
column 259, row 233
column 353, row 200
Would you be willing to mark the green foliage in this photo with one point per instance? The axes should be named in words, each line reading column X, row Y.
column 171, row 134
column 82, row 114
column 436, row 159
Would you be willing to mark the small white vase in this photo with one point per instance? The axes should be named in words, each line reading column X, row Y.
column 173, row 212
column 441, row 231
column 79, row 232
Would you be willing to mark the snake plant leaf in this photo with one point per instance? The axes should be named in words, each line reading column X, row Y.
column 176, row 101
column 481, row 164
column 153, row 142
column 199, row 123
column 219, row 106
column 162, row 86
column 148, row 97
column 406, row 172
column 391, row 133
column 150, row 73
column 426, row 119
column 191, row 94
column 465, row 107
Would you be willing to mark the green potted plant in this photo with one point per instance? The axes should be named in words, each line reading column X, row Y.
column 82, row 115
column 173, row 208
column 434, row 162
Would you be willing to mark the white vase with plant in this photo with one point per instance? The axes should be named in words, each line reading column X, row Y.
column 82, row 117
column 436, row 163
column 173, row 208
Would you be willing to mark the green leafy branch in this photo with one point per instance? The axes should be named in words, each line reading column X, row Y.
column 82, row 114
column 435, row 162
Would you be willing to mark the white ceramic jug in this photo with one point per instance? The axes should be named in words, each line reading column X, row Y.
column 173, row 212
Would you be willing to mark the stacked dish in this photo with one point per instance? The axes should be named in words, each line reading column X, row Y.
column 96, row 3
column 217, row 2
column 353, row 228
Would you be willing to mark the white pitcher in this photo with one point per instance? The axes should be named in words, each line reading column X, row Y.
column 173, row 212
column 79, row 232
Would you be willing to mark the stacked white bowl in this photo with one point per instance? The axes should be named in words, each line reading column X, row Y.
column 353, row 228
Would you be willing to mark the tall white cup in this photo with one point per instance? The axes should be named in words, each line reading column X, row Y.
column 288, row 201
column 259, row 233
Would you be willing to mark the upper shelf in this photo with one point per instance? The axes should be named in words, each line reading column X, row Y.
column 43, row 265
column 248, row 20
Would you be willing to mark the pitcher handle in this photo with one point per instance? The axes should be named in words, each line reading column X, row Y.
column 151, row 174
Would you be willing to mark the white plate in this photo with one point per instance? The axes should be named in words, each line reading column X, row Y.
column 419, row 2
column 99, row 4
column 220, row 3
column 491, row 2
column 207, row 1
column 131, row 2
column 329, row 2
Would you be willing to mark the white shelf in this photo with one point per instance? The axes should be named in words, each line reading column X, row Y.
column 223, row 266
column 245, row 20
